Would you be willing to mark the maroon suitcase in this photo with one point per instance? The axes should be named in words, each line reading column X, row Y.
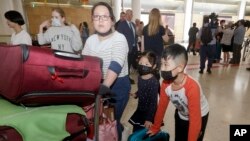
column 76, row 125
column 40, row 76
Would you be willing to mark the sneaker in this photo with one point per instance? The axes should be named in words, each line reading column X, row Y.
column 209, row 71
column 201, row 71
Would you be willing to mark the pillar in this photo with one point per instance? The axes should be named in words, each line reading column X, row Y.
column 136, row 8
column 187, row 18
column 117, row 8
column 242, row 9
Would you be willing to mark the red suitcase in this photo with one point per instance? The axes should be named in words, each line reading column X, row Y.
column 40, row 76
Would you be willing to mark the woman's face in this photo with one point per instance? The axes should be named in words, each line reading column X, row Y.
column 11, row 24
column 101, row 19
column 56, row 16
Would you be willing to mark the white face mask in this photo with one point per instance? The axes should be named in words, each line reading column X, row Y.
column 55, row 22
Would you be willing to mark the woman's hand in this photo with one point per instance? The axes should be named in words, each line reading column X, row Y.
column 46, row 24
column 148, row 124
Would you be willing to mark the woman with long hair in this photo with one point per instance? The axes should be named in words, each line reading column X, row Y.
column 154, row 34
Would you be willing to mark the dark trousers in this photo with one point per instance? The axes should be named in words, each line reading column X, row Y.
column 132, row 56
column 236, row 54
column 182, row 126
column 206, row 53
column 191, row 46
column 121, row 89
column 217, row 51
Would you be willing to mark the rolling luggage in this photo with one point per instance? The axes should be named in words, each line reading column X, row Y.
column 60, row 122
column 37, row 76
column 142, row 136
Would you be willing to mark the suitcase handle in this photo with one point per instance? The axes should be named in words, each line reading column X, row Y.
column 65, row 72
column 68, row 55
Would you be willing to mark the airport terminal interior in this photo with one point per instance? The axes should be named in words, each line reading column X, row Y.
column 227, row 88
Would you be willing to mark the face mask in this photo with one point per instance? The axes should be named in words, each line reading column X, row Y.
column 168, row 76
column 144, row 70
column 56, row 22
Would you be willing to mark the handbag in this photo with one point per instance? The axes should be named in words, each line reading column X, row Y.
column 107, row 124
column 107, row 129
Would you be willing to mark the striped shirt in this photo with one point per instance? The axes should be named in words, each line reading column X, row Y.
column 113, row 52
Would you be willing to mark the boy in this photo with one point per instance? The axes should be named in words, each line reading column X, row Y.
column 185, row 93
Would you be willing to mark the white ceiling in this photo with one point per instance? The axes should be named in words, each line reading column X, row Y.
column 221, row 7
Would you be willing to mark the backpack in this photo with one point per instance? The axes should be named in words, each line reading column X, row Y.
column 206, row 35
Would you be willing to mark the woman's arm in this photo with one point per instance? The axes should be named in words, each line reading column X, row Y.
column 43, row 38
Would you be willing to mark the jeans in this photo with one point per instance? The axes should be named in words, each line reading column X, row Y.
column 121, row 89
column 206, row 53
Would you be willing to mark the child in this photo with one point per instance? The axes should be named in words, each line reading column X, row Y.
column 147, row 93
column 185, row 93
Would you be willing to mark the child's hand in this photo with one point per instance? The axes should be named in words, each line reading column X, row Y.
column 150, row 133
column 148, row 124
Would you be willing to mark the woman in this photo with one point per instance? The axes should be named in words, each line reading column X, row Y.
column 20, row 36
column 226, row 42
column 154, row 34
column 84, row 30
column 61, row 36
column 112, row 48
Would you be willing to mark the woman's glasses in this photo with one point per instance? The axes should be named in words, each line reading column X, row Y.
column 102, row 17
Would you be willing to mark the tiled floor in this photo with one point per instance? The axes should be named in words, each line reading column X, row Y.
column 228, row 92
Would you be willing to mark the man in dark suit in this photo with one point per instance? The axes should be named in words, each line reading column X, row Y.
column 122, row 18
column 127, row 28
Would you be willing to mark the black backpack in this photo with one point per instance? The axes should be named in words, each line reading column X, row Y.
column 206, row 35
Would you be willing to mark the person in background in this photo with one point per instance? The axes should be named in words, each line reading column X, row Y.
column 192, row 38
column 147, row 92
column 239, row 34
column 170, row 35
column 139, row 34
column 207, row 50
column 226, row 41
column 112, row 47
column 127, row 28
column 219, row 35
column 15, row 21
column 185, row 93
column 59, row 33
column 84, row 30
column 122, row 18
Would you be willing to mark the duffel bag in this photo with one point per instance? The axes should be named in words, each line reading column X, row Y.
column 46, row 123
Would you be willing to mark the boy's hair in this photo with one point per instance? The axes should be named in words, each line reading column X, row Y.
column 15, row 17
column 151, row 57
column 176, row 52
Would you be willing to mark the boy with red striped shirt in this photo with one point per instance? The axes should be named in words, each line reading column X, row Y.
column 185, row 93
